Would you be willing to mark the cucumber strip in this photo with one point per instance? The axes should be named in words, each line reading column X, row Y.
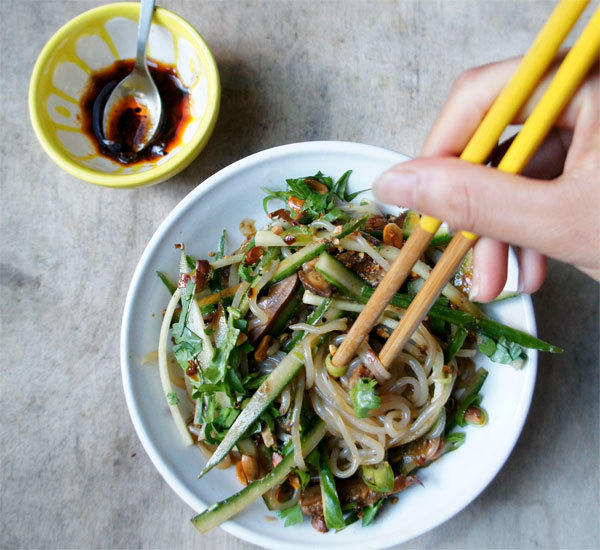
column 227, row 260
column 353, row 286
column 222, row 511
column 307, row 253
column 312, row 319
column 267, row 238
column 338, row 275
column 348, row 305
column 293, row 262
column 279, row 378
column 423, row 271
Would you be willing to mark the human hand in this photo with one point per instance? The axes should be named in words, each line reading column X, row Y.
column 558, row 218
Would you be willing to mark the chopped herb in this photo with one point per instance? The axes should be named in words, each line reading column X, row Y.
column 503, row 351
column 291, row 515
column 369, row 512
column 332, row 511
column 304, row 478
column 315, row 204
column 379, row 477
column 341, row 188
column 215, row 372
column 364, row 397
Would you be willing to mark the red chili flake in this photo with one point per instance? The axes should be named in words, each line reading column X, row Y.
column 133, row 455
column 253, row 255
column 183, row 280
column 192, row 368
column 179, row 246
column 284, row 215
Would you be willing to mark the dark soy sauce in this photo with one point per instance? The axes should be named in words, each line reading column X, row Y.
column 127, row 122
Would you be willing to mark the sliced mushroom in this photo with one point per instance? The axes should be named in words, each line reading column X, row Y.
column 201, row 274
column 315, row 282
column 317, row 186
column 278, row 296
column 250, row 467
column 349, row 490
column 261, row 351
column 392, row 235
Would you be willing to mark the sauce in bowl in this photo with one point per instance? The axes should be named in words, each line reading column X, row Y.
column 126, row 123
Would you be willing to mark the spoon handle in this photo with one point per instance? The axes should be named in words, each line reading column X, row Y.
column 146, row 11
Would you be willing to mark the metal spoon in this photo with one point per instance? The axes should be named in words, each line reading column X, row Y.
column 137, row 89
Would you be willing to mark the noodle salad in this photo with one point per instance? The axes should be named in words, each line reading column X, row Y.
column 246, row 344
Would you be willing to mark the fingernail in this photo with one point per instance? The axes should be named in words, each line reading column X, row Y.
column 397, row 187
column 474, row 286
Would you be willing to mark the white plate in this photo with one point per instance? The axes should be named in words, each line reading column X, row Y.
column 220, row 203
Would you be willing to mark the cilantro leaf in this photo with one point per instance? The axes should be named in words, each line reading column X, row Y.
column 364, row 397
column 215, row 372
column 186, row 344
column 315, row 204
column 503, row 351
column 291, row 515
column 341, row 188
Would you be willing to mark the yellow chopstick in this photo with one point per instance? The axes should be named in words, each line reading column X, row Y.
column 506, row 106
column 570, row 74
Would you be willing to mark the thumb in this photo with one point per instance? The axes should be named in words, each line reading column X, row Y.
column 476, row 198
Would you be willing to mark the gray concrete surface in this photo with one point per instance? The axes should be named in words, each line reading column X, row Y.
column 73, row 473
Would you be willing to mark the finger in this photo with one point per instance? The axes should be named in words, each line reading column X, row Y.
column 548, row 161
column 586, row 136
column 476, row 198
column 469, row 101
column 489, row 269
column 472, row 96
column 532, row 270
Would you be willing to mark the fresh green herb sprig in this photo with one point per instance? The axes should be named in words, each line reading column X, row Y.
column 315, row 204
column 364, row 397
column 292, row 515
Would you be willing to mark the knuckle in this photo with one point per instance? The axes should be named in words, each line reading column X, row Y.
column 466, row 79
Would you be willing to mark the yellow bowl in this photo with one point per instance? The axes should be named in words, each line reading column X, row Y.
column 94, row 40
